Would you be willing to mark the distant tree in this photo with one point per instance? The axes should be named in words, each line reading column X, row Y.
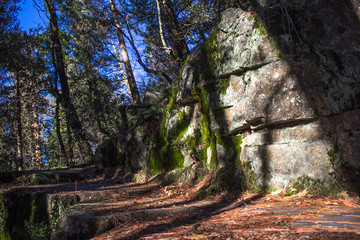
column 61, row 86
column 9, row 28
column 170, row 29
column 65, row 99
column 23, row 97
column 19, row 100
column 130, row 78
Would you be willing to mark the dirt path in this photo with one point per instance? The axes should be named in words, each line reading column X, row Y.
column 114, row 210
column 249, row 216
column 154, row 211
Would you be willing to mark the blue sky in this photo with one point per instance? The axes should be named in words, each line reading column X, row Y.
column 29, row 15
column 29, row 18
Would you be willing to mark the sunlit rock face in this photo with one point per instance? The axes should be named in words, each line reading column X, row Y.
column 286, row 78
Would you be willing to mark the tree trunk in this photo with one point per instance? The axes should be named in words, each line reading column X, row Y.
column 70, row 111
column 176, row 32
column 19, row 137
column 134, row 93
column 161, row 32
column 95, row 100
column 71, row 159
column 36, row 134
column 58, row 131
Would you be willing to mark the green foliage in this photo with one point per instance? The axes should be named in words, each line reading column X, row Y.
column 178, row 175
column 168, row 158
column 96, row 86
column 212, row 51
column 314, row 187
column 236, row 141
column 223, row 85
column 185, row 23
column 182, row 125
column 163, row 135
column 271, row 189
column 4, row 231
column 258, row 25
column 153, row 113
column 27, row 179
column 334, row 157
column 166, row 154
column 59, row 205
column 218, row 185
column 213, row 189
column 249, row 181
column 36, row 225
column 38, row 231
column 112, row 155
column 155, row 166
column 5, row 236
column 208, row 139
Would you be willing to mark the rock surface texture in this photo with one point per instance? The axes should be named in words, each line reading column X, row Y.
column 274, row 93
column 284, row 78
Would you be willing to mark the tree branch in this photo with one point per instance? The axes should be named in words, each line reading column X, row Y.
column 148, row 70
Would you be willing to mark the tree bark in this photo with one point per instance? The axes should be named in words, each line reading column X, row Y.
column 134, row 92
column 143, row 65
column 70, row 111
column 36, row 134
column 176, row 32
column 95, row 100
column 161, row 31
column 58, row 131
column 71, row 159
column 19, row 137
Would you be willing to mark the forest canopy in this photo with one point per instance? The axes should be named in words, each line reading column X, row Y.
column 64, row 82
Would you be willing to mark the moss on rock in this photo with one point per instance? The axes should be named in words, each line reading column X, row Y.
column 314, row 186
column 212, row 51
column 4, row 229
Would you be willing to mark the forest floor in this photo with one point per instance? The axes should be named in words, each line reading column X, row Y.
column 152, row 210
column 231, row 216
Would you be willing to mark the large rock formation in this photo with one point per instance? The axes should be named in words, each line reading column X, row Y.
column 273, row 98
column 274, row 95
column 284, row 78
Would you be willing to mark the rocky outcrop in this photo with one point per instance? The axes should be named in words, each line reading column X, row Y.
column 29, row 211
column 32, row 214
column 274, row 96
column 272, row 99
column 291, row 92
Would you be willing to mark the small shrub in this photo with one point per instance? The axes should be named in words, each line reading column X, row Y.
column 38, row 231
column 314, row 187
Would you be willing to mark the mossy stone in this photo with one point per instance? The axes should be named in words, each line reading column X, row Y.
column 4, row 230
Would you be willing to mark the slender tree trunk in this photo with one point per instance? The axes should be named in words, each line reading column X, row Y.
column 71, row 159
column 58, row 131
column 19, row 137
column 122, row 70
column 161, row 31
column 146, row 69
column 96, row 102
column 70, row 111
column 55, row 91
column 36, row 134
column 134, row 92
column 176, row 32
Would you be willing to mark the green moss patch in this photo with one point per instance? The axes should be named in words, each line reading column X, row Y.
column 4, row 231
column 249, row 181
column 223, row 85
column 182, row 125
column 212, row 51
column 315, row 187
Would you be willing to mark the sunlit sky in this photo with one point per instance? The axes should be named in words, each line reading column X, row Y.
column 29, row 15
